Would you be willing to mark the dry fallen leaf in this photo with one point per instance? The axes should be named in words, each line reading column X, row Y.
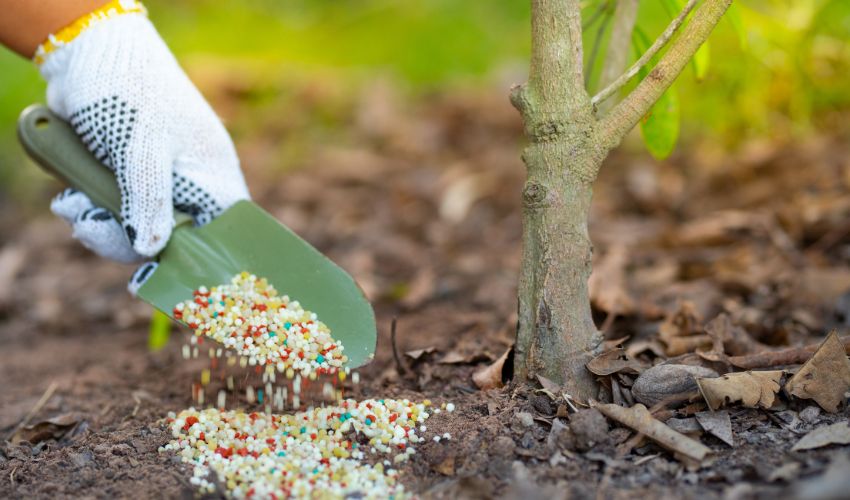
column 824, row 378
column 418, row 353
column 728, row 339
column 614, row 361
column 548, row 385
column 682, row 331
column 824, row 436
column 607, row 283
column 668, row 382
column 717, row 424
column 752, row 389
column 786, row 472
column 714, row 228
column 638, row 418
column 492, row 376
column 52, row 428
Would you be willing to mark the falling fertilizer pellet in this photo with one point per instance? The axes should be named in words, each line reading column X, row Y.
column 317, row 453
column 248, row 316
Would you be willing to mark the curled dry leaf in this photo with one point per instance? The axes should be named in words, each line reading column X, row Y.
column 825, row 378
column 668, row 382
column 638, row 418
column 548, row 385
column 727, row 339
column 614, row 361
column 752, row 389
column 682, row 332
column 416, row 354
column 823, row 436
column 52, row 428
column 495, row 374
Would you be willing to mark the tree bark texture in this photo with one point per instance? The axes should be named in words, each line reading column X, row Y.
column 556, row 336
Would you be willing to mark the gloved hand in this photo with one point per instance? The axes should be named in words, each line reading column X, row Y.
column 121, row 89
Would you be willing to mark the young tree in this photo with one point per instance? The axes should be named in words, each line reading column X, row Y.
column 570, row 134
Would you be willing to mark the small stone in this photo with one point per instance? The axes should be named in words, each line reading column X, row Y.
column 82, row 459
column 810, row 415
column 525, row 418
column 589, row 428
column 542, row 404
column 502, row 446
column 667, row 381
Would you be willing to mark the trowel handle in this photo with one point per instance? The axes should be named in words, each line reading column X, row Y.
column 54, row 145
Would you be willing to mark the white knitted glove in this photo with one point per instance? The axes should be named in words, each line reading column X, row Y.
column 124, row 93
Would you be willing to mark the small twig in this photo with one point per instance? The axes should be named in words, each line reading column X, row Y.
column 48, row 393
column 622, row 28
column 616, row 394
column 646, row 459
column 659, row 43
column 138, row 401
column 633, row 442
column 398, row 364
column 569, row 401
column 614, row 125
column 830, row 239
column 12, row 476
column 790, row 356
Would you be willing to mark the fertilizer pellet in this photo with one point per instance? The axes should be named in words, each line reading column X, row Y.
column 317, row 452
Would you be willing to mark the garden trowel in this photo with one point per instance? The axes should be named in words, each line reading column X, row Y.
column 243, row 238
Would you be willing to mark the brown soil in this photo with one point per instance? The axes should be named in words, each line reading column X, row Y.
column 420, row 204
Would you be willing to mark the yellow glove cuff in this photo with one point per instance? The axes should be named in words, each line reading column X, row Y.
column 67, row 34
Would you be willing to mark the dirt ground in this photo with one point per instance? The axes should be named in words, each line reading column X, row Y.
column 420, row 202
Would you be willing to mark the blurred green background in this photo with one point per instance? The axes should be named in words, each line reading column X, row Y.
column 777, row 70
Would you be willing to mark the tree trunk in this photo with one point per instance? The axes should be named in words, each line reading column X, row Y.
column 556, row 335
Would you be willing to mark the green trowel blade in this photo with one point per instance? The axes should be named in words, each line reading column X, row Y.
column 244, row 238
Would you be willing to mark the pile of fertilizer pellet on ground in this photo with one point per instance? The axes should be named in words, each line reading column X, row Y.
column 317, row 453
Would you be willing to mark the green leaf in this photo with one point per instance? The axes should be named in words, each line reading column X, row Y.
column 160, row 330
column 733, row 14
column 701, row 59
column 660, row 127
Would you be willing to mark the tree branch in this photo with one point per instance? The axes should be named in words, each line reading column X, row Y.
column 630, row 110
column 660, row 42
column 625, row 16
column 555, row 83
